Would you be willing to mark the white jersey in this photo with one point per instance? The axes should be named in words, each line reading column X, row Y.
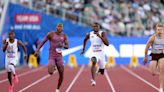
column 97, row 49
column 12, row 52
column 96, row 42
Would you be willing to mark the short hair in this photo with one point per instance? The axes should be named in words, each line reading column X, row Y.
column 159, row 25
column 60, row 24
column 96, row 23
column 12, row 31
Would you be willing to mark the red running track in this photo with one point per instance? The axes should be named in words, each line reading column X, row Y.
column 117, row 79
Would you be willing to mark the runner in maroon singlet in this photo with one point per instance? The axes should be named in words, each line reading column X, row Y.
column 58, row 40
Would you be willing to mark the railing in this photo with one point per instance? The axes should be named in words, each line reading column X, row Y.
column 51, row 9
column 6, row 2
column 62, row 13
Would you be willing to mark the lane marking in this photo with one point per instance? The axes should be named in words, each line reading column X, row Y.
column 34, row 83
column 138, row 77
column 75, row 78
column 23, row 74
column 109, row 81
column 17, row 68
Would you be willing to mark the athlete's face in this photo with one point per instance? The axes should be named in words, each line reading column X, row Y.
column 59, row 28
column 95, row 27
column 11, row 35
column 159, row 30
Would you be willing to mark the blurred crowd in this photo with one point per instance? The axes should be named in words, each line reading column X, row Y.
column 120, row 17
column 1, row 7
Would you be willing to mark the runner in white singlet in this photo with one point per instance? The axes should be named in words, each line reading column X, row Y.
column 98, row 40
column 10, row 47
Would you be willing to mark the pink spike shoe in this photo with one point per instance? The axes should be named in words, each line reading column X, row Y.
column 15, row 78
column 11, row 88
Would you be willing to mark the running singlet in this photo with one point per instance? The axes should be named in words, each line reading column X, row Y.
column 55, row 44
column 96, row 43
column 12, row 50
column 158, row 45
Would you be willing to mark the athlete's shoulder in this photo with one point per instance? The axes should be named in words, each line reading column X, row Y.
column 90, row 33
column 16, row 39
column 49, row 33
column 152, row 37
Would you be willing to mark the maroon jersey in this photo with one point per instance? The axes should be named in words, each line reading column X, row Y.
column 56, row 44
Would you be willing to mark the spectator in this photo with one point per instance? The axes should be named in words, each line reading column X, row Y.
column 126, row 13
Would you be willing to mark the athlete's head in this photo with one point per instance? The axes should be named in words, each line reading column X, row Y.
column 95, row 27
column 11, row 35
column 159, row 28
column 59, row 27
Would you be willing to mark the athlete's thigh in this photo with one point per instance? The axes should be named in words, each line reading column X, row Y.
column 51, row 65
column 161, row 63
column 8, row 68
column 153, row 65
column 59, row 63
column 101, row 61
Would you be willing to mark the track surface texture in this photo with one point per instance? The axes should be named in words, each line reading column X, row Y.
column 118, row 79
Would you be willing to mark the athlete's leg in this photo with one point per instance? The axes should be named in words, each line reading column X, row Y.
column 51, row 66
column 12, row 68
column 60, row 68
column 9, row 70
column 102, row 63
column 93, row 67
column 153, row 67
column 161, row 67
column 10, row 77
column 9, row 74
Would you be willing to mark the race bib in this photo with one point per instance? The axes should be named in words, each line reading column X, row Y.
column 59, row 50
column 10, row 56
column 96, row 48
column 158, row 47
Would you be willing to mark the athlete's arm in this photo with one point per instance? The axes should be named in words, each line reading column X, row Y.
column 84, row 43
column 104, row 38
column 24, row 48
column 5, row 44
column 149, row 43
column 66, row 46
column 42, row 43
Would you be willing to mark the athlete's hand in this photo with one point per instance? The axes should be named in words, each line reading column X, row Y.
column 65, row 46
column 6, row 44
column 144, row 60
column 36, row 54
column 82, row 52
column 25, row 57
column 97, row 34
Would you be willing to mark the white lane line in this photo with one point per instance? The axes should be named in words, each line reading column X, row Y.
column 34, row 83
column 75, row 78
column 17, row 68
column 138, row 77
column 109, row 81
column 65, row 52
column 23, row 74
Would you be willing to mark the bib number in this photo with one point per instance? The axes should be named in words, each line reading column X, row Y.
column 58, row 50
column 158, row 47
